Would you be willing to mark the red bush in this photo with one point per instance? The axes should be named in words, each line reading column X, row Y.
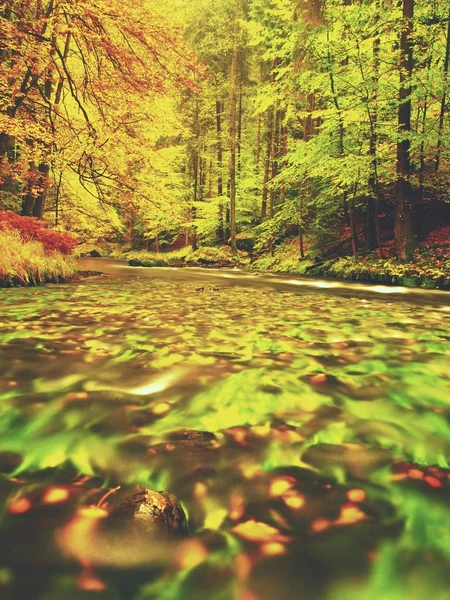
column 438, row 237
column 31, row 228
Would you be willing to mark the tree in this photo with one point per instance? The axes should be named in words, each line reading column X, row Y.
column 77, row 75
column 403, row 220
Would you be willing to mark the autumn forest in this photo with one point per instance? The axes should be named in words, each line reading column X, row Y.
column 224, row 299
column 145, row 122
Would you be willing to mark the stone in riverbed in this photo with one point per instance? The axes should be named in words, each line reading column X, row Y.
column 356, row 460
column 150, row 513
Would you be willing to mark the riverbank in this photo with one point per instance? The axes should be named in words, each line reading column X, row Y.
column 28, row 262
column 429, row 270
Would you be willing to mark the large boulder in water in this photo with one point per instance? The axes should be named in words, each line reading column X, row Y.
column 149, row 512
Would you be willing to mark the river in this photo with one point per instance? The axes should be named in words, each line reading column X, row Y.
column 316, row 460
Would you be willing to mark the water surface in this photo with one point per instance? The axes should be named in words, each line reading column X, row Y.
column 322, row 468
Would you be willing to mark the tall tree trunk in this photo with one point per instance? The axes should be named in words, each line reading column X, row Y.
column 44, row 183
column 372, row 224
column 283, row 153
column 233, row 130
column 304, row 190
column 403, row 219
column 195, row 169
column 353, row 231
column 258, row 144
column 57, row 198
column 221, row 231
column 196, row 172
column 341, row 133
column 423, row 124
column 301, row 229
column 210, row 179
column 274, row 169
column 443, row 100
column 267, row 157
column 239, row 125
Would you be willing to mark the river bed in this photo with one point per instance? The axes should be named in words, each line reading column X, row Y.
column 319, row 464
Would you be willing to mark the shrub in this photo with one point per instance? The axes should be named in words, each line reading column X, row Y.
column 26, row 262
column 245, row 241
column 33, row 229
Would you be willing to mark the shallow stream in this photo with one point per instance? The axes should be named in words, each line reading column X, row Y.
column 303, row 424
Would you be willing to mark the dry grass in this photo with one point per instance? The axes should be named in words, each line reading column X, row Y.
column 27, row 263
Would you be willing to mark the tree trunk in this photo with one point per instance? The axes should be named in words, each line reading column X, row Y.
column 265, row 190
column 353, row 231
column 233, row 131
column 308, row 132
column 58, row 195
column 221, row 227
column 403, row 220
column 422, row 131
column 341, row 134
column 443, row 100
column 239, row 132
column 195, row 198
column 372, row 227
column 283, row 154
column 44, row 182
column 274, row 169
column 300, row 230
column 258, row 144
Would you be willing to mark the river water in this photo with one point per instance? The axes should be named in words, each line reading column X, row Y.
column 316, row 460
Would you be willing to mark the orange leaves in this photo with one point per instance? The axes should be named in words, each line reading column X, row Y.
column 431, row 476
column 294, row 500
column 356, row 495
column 349, row 515
column 282, row 487
column 75, row 537
column 19, row 506
column 279, row 485
column 319, row 525
column 89, row 582
column 55, row 495
column 432, row 481
column 190, row 554
column 256, row 531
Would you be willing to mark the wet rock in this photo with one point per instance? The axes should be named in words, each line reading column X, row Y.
column 150, row 512
column 86, row 274
column 358, row 461
column 186, row 451
column 192, row 434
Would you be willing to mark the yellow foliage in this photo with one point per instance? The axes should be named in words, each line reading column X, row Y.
column 23, row 263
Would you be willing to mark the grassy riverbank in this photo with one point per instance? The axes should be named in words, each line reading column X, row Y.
column 186, row 257
column 430, row 268
column 28, row 262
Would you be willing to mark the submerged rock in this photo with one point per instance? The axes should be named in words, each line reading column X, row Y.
column 151, row 512
column 356, row 460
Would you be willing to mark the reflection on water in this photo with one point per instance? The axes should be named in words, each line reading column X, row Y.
column 306, row 434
